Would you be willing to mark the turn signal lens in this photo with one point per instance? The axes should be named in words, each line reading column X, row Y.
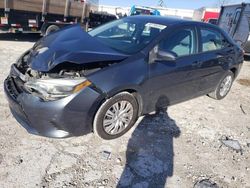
column 81, row 86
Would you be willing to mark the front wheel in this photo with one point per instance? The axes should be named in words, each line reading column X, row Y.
column 223, row 87
column 116, row 116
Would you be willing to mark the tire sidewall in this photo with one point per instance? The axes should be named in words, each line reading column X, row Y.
column 99, row 116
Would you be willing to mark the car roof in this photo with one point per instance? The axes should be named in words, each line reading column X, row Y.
column 165, row 20
column 161, row 19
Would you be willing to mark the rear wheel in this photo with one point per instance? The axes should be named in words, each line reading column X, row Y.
column 116, row 116
column 51, row 29
column 223, row 87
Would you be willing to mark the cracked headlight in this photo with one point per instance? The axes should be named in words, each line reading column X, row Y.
column 54, row 89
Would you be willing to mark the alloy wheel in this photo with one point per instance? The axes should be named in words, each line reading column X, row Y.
column 226, row 85
column 118, row 117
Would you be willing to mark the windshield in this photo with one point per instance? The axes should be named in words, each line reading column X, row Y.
column 127, row 35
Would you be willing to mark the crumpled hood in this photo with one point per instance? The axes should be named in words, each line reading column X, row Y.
column 70, row 44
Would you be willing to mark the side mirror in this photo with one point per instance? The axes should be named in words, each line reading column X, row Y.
column 165, row 56
column 225, row 43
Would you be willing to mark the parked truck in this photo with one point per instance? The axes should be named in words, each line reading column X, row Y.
column 235, row 19
column 46, row 16
column 209, row 15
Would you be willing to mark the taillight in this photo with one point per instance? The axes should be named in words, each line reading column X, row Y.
column 242, row 51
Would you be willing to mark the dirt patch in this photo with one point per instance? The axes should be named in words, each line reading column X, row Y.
column 244, row 82
column 1, row 158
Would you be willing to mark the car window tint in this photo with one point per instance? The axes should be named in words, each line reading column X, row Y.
column 181, row 42
column 211, row 40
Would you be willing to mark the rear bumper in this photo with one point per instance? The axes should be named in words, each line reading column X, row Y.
column 70, row 116
column 247, row 48
column 247, row 53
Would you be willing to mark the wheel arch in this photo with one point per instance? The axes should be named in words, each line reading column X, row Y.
column 134, row 90
column 234, row 71
column 138, row 98
column 106, row 100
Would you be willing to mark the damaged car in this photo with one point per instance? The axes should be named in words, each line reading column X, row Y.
column 71, row 82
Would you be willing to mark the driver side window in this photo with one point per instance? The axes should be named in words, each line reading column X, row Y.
column 181, row 42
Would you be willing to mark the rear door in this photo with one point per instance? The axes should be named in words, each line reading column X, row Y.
column 216, row 53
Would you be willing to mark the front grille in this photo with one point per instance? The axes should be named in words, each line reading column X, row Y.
column 10, row 86
column 15, row 86
column 19, row 84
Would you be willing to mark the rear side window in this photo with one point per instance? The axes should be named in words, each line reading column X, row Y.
column 181, row 42
column 211, row 40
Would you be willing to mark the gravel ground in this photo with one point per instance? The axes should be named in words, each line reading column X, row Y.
column 173, row 149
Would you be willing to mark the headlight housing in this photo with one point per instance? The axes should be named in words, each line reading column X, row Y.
column 54, row 89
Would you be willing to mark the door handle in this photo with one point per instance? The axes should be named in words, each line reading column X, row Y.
column 219, row 56
column 230, row 50
column 197, row 63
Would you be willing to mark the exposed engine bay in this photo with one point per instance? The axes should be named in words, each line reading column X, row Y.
column 65, row 70
column 60, row 64
column 61, row 81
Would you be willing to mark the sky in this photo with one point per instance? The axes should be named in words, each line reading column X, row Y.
column 185, row 4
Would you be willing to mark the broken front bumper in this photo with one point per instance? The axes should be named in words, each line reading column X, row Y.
column 70, row 116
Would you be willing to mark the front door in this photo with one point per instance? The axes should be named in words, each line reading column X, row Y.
column 175, row 80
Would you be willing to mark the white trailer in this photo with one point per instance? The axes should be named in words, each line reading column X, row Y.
column 235, row 19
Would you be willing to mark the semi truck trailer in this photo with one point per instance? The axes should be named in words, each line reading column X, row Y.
column 45, row 16
column 209, row 15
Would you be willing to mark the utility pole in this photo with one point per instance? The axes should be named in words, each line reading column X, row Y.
column 161, row 3
column 223, row 2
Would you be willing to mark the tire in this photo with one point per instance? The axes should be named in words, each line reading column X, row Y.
column 218, row 94
column 51, row 29
column 128, row 106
